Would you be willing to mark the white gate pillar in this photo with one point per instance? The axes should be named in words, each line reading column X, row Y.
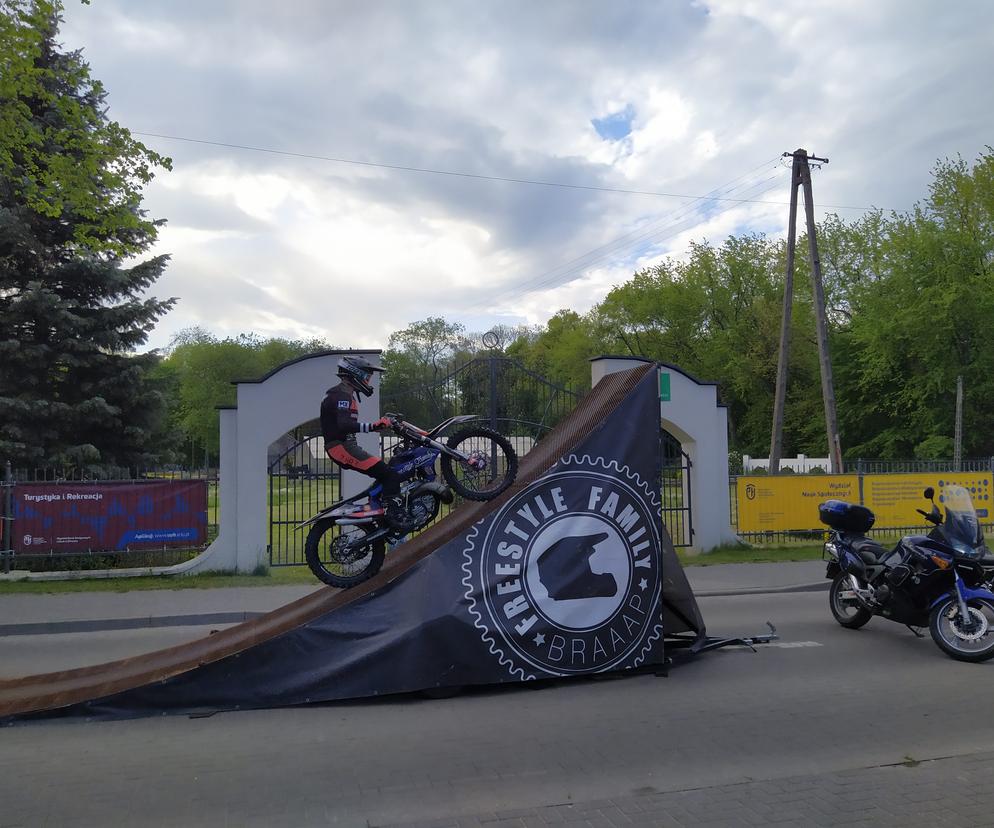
column 690, row 411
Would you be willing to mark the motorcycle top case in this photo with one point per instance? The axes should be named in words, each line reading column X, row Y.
column 845, row 517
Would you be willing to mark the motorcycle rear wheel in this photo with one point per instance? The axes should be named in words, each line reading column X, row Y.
column 497, row 463
column 956, row 639
column 847, row 611
column 339, row 560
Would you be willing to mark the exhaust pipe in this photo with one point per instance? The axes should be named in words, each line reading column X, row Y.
column 439, row 490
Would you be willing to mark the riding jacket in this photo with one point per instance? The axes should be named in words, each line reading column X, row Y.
column 340, row 414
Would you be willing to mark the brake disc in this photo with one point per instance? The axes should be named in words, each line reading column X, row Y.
column 979, row 619
column 344, row 552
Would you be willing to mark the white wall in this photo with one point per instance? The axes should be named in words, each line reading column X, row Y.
column 695, row 417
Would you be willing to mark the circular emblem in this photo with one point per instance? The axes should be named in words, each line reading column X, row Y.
column 566, row 577
column 491, row 340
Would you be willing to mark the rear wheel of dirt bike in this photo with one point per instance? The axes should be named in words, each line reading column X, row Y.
column 490, row 467
column 340, row 555
column 845, row 605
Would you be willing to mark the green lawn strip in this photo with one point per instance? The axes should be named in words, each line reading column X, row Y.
column 280, row 576
column 746, row 554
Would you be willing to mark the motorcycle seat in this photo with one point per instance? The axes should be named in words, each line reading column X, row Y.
column 868, row 549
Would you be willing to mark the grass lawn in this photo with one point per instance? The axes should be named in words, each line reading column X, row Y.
column 745, row 554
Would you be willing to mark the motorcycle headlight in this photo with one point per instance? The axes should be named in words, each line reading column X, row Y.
column 831, row 549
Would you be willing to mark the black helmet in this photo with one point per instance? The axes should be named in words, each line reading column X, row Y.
column 357, row 372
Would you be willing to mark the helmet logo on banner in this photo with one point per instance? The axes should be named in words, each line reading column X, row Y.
column 566, row 578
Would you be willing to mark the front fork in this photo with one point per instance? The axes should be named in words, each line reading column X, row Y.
column 964, row 613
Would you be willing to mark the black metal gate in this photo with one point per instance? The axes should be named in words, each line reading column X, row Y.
column 675, row 491
column 302, row 480
column 505, row 395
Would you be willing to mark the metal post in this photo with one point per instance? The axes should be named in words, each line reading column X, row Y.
column 493, row 414
column 8, row 516
column 493, row 392
column 958, row 440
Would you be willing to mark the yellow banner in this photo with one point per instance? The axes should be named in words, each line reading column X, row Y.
column 787, row 502
column 893, row 498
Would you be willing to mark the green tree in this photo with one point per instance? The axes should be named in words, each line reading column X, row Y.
column 919, row 303
column 201, row 369
column 717, row 316
column 72, row 282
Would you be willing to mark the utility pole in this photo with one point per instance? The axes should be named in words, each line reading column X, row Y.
column 801, row 177
column 776, row 440
column 958, row 440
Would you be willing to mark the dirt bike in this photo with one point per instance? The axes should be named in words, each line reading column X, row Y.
column 347, row 541
column 940, row 580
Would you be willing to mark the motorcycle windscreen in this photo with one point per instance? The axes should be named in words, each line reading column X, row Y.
column 961, row 527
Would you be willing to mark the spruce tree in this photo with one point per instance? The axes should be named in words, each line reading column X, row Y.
column 73, row 304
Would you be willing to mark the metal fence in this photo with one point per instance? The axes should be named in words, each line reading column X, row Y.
column 6, row 519
column 58, row 559
column 861, row 467
column 970, row 464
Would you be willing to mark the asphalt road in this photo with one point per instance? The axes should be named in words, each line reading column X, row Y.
column 821, row 701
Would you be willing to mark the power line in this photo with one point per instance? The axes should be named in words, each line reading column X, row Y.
column 671, row 230
column 682, row 219
column 479, row 177
column 657, row 232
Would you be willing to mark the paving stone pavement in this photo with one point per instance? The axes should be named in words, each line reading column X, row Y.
column 955, row 791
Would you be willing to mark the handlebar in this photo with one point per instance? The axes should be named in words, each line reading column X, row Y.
column 401, row 426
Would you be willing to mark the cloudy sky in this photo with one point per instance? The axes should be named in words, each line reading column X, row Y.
column 341, row 169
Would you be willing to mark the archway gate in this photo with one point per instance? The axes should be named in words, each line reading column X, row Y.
column 504, row 394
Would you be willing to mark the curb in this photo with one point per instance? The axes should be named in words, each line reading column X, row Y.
column 821, row 586
column 204, row 619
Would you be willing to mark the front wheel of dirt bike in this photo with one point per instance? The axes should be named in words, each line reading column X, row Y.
column 845, row 605
column 341, row 556
column 489, row 468
column 964, row 639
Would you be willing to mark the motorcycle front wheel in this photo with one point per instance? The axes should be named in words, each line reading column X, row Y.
column 340, row 556
column 964, row 639
column 846, row 608
column 489, row 468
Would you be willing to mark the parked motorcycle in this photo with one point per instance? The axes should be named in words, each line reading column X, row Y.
column 347, row 541
column 941, row 580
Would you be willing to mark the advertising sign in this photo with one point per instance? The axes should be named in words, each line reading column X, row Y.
column 68, row 517
column 790, row 502
column 893, row 498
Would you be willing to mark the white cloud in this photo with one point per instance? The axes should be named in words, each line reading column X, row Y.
column 283, row 245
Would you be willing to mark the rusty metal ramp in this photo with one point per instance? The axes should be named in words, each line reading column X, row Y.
column 462, row 603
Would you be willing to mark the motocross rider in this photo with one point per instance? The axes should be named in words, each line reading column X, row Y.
column 340, row 424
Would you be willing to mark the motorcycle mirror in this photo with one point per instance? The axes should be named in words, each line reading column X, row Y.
column 929, row 493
